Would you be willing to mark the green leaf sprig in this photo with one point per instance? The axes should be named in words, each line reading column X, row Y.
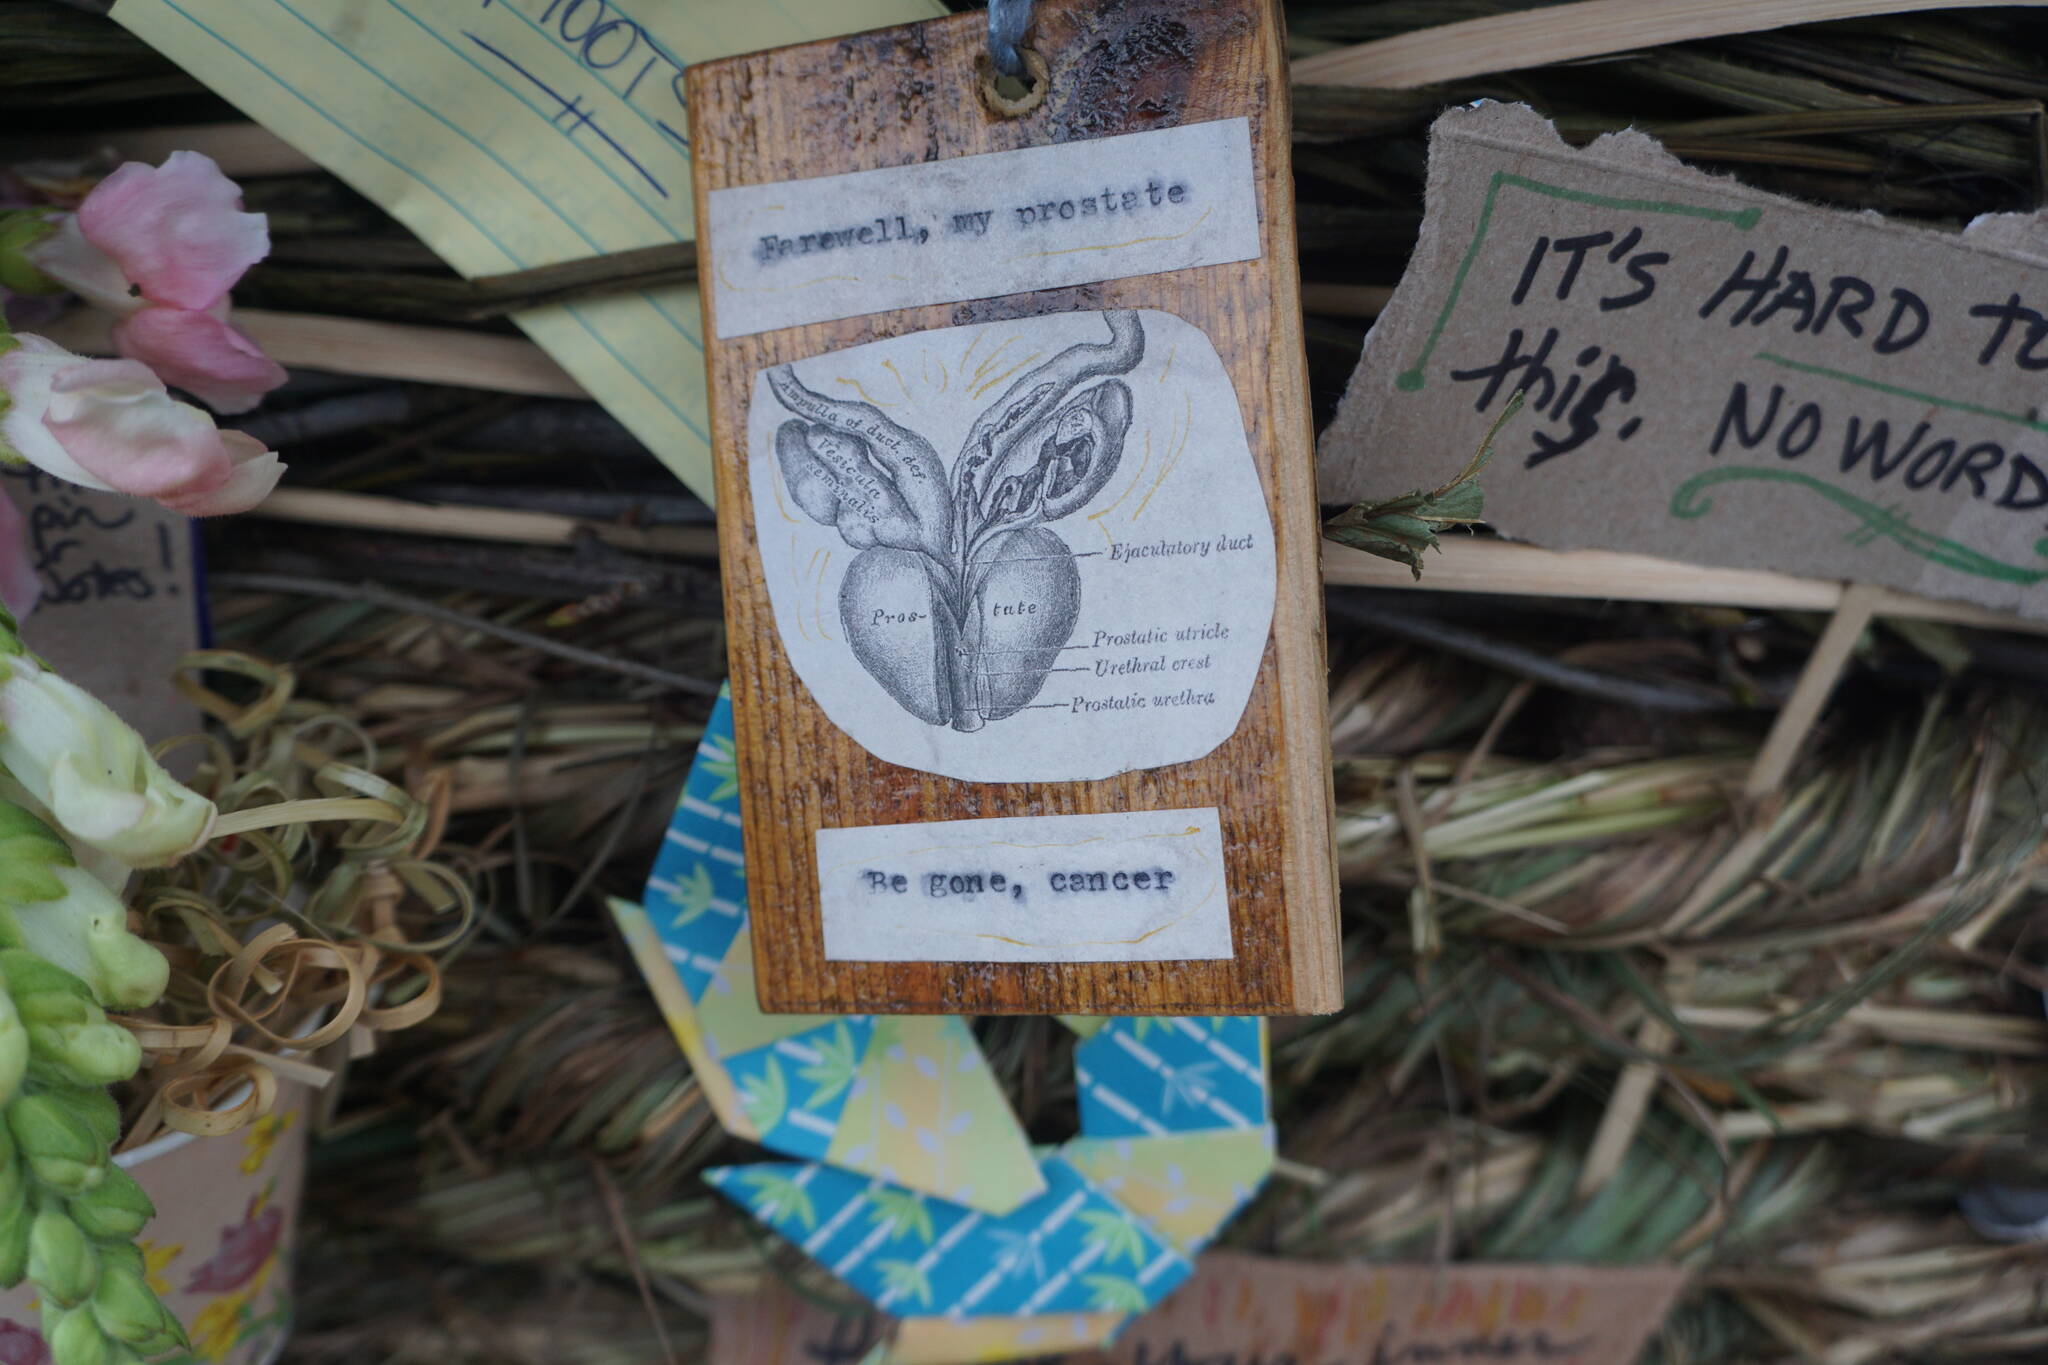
column 1403, row 528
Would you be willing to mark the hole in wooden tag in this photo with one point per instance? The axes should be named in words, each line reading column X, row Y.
column 1013, row 96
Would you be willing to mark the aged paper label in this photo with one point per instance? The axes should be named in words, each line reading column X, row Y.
column 1138, row 886
column 120, row 603
column 1081, row 586
column 974, row 227
column 1253, row 1310
column 1711, row 373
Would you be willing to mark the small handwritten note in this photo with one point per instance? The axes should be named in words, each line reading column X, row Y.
column 975, row 227
column 510, row 134
column 1253, row 1310
column 119, row 604
column 1711, row 373
column 1136, row 886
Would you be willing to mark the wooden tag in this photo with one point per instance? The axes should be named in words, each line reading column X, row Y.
column 1018, row 518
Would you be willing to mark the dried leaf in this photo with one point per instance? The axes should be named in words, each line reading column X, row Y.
column 1402, row 528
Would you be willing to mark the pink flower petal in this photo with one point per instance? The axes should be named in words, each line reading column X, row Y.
column 66, row 257
column 19, row 585
column 256, row 471
column 200, row 354
column 26, row 375
column 177, row 230
column 115, row 420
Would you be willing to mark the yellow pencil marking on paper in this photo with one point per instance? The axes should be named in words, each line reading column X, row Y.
column 855, row 385
column 1072, row 943
column 1097, row 517
column 1171, row 352
column 945, row 378
column 968, row 354
column 1173, row 459
column 976, row 393
column 867, row 858
column 988, row 362
column 890, row 366
column 818, row 601
column 798, row 614
column 1119, row 246
column 775, row 483
column 725, row 282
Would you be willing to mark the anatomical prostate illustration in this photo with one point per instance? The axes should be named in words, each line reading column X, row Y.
column 960, row 597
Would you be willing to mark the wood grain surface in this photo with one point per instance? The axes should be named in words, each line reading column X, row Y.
column 906, row 95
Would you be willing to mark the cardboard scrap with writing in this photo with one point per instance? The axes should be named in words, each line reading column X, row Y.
column 1022, row 559
column 120, row 602
column 1240, row 1308
column 1711, row 373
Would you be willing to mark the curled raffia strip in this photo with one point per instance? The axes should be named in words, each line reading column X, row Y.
column 309, row 917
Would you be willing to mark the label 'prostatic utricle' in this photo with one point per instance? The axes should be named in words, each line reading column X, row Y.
column 1000, row 585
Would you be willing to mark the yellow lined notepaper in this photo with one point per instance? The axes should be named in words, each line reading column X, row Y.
column 515, row 133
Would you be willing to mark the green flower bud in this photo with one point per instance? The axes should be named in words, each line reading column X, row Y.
column 19, row 231
column 58, row 1143
column 84, row 933
column 56, row 1009
column 94, row 1104
column 61, row 1260
column 13, row 1178
column 16, row 1218
column 39, row 987
column 93, row 1053
column 92, row 773
column 14, row 1049
column 116, row 1211
column 129, row 1311
column 74, row 1337
column 29, row 848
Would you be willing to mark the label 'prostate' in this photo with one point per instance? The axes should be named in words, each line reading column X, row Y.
column 988, row 661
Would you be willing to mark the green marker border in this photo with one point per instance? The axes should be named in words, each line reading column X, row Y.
column 1955, row 404
column 1412, row 379
column 1691, row 502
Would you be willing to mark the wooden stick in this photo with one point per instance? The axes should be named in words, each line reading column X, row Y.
column 1466, row 565
column 507, row 364
column 1570, row 32
column 1501, row 566
column 325, row 507
column 1346, row 300
column 377, row 595
column 384, row 350
column 1816, row 681
column 1626, row 1108
column 241, row 149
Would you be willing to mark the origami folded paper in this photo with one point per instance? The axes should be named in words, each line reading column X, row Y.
column 914, row 1184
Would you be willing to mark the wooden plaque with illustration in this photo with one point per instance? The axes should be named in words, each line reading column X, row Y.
column 1018, row 518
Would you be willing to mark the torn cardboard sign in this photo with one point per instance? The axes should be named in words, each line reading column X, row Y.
column 1242, row 1310
column 1711, row 373
column 120, row 604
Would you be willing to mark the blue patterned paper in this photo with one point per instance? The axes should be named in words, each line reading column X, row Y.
column 795, row 1088
column 1148, row 1077
column 1072, row 1249
column 697, row 894
column 1125, row 1204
